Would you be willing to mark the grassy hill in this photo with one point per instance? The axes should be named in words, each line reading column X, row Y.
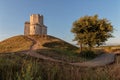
column 20, row 43
column 51, row 42
column 49, row 46
column 14, row 44
column 17, row 66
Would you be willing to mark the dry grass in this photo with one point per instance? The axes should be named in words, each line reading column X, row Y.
column 51, row 42
column 64, row 55
column 56, row 48
column 110, row 49
column 18, row 66
column 48, row 46
column 14, row 44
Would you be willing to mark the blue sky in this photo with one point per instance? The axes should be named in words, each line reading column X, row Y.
column 58, row 15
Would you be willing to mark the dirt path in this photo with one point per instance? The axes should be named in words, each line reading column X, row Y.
column 33, row 47
column 101, row 60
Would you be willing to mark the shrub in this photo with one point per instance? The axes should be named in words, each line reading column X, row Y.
column 88, row 54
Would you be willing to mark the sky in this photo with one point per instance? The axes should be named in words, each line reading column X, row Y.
column 59, row 16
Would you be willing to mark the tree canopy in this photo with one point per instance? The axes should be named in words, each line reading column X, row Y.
column 91, row 31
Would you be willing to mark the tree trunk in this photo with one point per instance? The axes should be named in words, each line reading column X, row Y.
column 90, row 48
column 80, row 47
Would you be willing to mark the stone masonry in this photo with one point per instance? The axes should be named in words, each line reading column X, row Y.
column 35, row 26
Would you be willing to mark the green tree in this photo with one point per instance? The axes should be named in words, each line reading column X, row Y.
column 91, row 31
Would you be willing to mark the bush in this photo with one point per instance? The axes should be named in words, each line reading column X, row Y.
column 88, row 54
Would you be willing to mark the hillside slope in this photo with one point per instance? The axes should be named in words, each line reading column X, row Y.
column 14, row 44
column 20, row 43
column 51, row 42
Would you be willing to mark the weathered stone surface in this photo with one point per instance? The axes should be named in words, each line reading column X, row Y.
column 35, row 26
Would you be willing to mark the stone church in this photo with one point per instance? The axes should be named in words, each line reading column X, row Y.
column 35, row 26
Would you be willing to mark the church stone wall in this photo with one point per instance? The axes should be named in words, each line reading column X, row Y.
column 27, row 28
column 34, row 19
column 41, row 19
column 35, row 26
column 32, row 29
column 37, row 29
column 44, row 30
